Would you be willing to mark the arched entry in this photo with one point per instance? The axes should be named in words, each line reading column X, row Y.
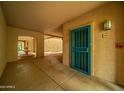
column 26, row 47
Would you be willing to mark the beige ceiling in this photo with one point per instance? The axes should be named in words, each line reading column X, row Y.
column 46, row 16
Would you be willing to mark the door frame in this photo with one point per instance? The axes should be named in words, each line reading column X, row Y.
column 91, row 46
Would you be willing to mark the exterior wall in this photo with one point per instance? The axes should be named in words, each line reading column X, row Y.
column 3, row 34
column 53, row 45
column 13, row 34
column 106, row 59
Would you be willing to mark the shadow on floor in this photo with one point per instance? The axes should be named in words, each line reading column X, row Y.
column 48, row 73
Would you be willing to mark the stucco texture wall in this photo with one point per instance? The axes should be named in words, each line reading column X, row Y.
column 3, row 34
column 53, row 45
column 106, row 59
column 13, row 33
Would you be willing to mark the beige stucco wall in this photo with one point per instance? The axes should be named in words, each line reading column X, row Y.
column 3, row 34
column 106, row 59
column 13, row 34
column 53, row 45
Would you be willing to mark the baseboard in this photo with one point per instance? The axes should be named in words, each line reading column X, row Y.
column 110, row 84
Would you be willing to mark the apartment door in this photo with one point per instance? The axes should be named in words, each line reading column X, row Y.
column 80, row 49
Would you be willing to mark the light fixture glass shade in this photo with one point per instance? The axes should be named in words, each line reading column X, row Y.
column 107, row 25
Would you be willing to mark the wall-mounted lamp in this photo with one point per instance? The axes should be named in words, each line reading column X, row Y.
column 107, row 25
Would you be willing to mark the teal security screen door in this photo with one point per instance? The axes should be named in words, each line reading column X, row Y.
column 80, row 49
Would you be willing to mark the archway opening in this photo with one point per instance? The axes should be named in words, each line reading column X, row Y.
column 26, row 47
column 53, row 46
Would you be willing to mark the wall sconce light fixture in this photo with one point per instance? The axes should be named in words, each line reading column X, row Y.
column 107, row 25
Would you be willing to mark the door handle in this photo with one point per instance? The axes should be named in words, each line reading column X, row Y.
column 87, row 50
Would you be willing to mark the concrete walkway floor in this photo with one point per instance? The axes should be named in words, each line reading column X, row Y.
column 48, row 74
